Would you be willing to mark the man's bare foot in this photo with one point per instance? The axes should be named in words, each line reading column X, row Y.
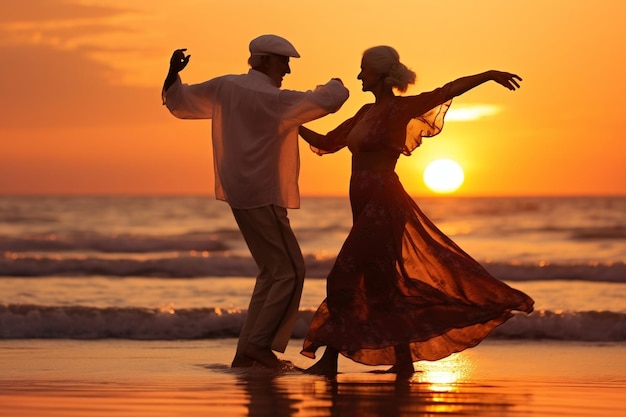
column 241, row 361
column 289, row 366
column 262, row 355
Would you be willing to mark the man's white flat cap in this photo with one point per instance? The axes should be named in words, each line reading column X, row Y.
column 272, row 44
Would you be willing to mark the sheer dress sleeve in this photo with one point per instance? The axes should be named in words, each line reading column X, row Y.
column 426, row 114
column 336, row 139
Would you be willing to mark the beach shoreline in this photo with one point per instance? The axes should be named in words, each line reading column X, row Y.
column 93, row 378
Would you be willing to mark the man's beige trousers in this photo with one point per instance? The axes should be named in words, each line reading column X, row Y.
column 275, row 300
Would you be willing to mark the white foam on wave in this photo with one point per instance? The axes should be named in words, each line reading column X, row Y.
column 32, row 321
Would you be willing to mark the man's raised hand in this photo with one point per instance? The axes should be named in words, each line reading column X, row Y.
column 179, row 61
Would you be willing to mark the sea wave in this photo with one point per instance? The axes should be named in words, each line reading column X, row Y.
column 77, row 322
column 113, row 243
column 195, row 264
column 599, row 233
column 229, row 238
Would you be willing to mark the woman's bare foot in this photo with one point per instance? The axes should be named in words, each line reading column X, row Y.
column 403, row 370
column 321, row 368
column 404, row 362
column 327, row 365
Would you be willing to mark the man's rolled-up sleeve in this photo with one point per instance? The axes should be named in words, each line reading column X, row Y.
column 189, row 101
column 303, row 107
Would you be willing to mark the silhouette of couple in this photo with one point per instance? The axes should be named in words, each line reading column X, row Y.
column 400, row 290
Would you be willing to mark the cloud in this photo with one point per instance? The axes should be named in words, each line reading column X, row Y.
column 55, row 74
column 52, row 10
column 62, row 25
column 471, row 112
column 45, row 87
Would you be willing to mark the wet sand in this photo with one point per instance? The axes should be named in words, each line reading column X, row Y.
column 68, row 378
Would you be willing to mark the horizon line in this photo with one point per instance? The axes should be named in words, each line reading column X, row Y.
column 303, row 196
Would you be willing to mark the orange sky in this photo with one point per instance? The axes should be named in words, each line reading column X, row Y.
column 81, row 112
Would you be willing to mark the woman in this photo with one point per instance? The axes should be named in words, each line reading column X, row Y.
column 400, row 290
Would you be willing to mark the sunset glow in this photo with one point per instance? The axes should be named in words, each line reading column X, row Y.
column 82, row 113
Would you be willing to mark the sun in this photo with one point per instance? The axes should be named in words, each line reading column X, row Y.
column 443, row 176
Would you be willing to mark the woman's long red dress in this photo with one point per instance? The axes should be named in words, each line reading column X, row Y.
column 398, row 280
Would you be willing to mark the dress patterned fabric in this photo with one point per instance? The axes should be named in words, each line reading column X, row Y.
column 398, row 280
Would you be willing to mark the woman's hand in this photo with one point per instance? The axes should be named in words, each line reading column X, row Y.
column 506, row 79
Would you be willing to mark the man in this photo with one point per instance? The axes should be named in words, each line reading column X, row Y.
column 256, row 162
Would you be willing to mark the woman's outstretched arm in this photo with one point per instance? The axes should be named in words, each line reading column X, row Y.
column 464, row 84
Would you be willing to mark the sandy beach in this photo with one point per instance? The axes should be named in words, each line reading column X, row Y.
column 192, row 378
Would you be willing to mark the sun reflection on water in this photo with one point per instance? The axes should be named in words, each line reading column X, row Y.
column 444, row 375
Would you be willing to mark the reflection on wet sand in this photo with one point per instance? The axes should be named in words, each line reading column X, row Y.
column 438, row 388
column 267, row 396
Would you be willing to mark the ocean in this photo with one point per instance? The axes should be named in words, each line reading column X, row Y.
column 174, row 268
